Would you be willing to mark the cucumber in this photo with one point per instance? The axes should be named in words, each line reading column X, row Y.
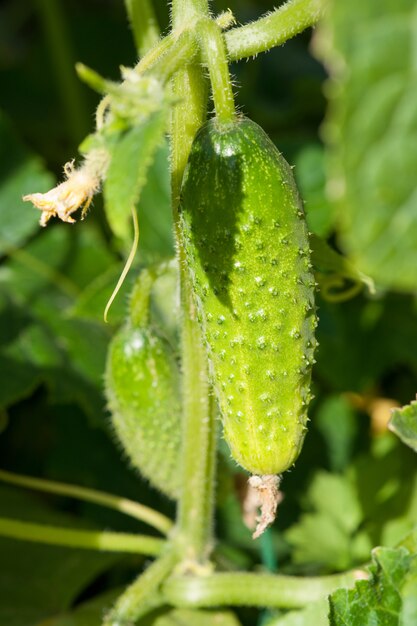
column 143, row 394
column 245, row 237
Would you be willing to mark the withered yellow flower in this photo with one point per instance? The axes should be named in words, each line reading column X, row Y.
column 67, row 197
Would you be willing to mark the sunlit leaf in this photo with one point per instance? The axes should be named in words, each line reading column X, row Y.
column 371, row 133
column 130, row 161
column 404, row 424
column 388, row 598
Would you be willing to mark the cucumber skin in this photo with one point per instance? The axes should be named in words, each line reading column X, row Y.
column 143, row 394
column 246, row 244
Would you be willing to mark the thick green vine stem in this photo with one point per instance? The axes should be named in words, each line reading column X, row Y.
column 246, row 589
column 273, row 29
column 214, row 55
column 194, row 517
column 142, row 595
column 82, row 539
column 194, row 526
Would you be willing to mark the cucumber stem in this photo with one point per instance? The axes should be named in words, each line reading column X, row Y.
column 184, row 11
column 82, row 539
column 194, row 531
column 142, row 595
column 155, row 53
column 254, row 589
column 181, row 52
column 123, row 505
column 214, row 54
column 274, row 29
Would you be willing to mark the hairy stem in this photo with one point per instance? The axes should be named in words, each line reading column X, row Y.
column 195, row 502
column 144, row 24
column 142, row 595
column 181, row 52
column 273, row 29
column 123, row 505
column 184, row 11
column 214, row 55
column 264, row 590
column 84, row 539
column 155, row 53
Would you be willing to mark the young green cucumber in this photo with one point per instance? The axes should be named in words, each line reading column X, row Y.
column 246, row 241
column 143, row 394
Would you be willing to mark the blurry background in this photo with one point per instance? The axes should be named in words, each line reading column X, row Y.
column 354, row 485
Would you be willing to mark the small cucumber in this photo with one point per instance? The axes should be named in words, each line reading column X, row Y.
column 143, row 394
column 246, row 243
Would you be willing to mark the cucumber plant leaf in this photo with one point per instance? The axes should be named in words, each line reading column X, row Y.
column 131, row 158
column 37, row 286
column 404, row 424
column 329, row 534
column 336, row 420
column 20, row 173
column 154, row 207
column 388, row 598
column 371, row 134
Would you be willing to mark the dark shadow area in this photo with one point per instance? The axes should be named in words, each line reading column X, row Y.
column 211, row 210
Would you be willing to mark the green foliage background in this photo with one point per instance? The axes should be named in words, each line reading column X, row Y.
column 354, row 486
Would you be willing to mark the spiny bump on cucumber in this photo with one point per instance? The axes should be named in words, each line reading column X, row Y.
column 244, row 232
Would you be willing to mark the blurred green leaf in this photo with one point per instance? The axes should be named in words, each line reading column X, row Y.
column 37, row 581
column 88, row 613
column 92, row 301
column 66, row 354
column 385, row 482
column 388, row 598
column 336, row 421
column 311, row 179
column 18, row 376
column 386, row 326
column 43, row 344
column 404, row 424
column 131, row 158
column 20, row 173
column 371, row 132
column 329, row 536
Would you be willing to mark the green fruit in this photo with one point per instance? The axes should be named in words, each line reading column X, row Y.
column 246, row 242
column 143, row 394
